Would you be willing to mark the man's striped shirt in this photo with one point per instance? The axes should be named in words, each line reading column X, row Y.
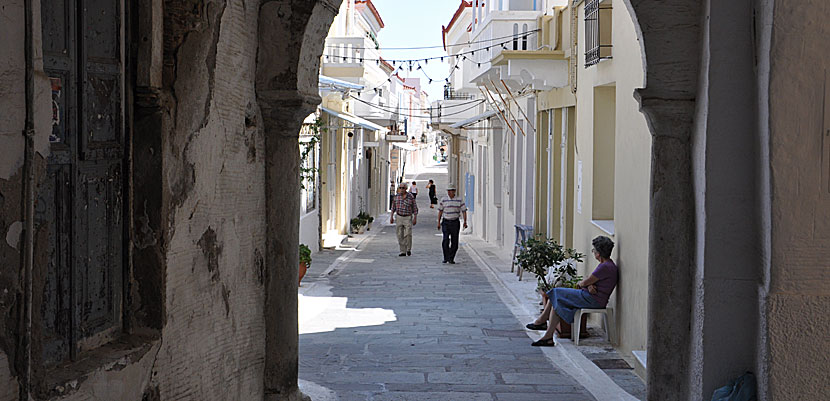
column 452, row 207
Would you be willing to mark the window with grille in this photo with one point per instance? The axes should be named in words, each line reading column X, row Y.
column 597, row 31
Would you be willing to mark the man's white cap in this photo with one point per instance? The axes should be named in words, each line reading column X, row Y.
column 451, row 187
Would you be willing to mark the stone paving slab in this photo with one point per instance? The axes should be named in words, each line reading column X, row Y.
column 434, row 347
column 432, row 396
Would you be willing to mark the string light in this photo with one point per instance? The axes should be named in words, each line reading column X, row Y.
column 440, row 46
column 463, row 54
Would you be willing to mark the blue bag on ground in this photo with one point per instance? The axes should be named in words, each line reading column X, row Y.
column 740, row 389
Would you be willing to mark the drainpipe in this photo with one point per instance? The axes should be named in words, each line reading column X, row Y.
column 29, row 199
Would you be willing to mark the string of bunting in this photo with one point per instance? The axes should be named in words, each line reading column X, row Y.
column 439, row 46
column 419, row 68
column 394, row 62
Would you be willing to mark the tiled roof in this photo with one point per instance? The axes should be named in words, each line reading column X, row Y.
column 372, row 9
column 446, row 29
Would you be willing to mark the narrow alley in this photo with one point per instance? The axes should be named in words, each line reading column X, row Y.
column 376, row 326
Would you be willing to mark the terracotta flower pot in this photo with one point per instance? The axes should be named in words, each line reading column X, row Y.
column 303, row 269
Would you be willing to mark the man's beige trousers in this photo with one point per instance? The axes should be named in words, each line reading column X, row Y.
column 403, row 227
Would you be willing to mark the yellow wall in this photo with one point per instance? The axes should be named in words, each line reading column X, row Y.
column 617, row 77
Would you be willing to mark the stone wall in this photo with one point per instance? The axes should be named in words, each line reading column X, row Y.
column 799, row 179
column 213, row 175
column 196, row 318
column 12, row 120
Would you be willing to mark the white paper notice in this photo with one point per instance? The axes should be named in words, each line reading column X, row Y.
column 579, row 186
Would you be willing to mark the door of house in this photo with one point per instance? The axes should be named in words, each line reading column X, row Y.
column 80, row 204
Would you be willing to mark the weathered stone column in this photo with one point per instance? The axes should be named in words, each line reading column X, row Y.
column 282, row 114
column 291, row 36
column 671, row 250
column 670, row 32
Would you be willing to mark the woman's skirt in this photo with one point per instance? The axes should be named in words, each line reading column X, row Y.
column 567, row 300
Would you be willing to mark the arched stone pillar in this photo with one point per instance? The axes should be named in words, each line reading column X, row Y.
column 291, row 38
column 670, row 33
column 707, row 238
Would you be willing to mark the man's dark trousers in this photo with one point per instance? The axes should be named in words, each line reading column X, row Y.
column 450, row 228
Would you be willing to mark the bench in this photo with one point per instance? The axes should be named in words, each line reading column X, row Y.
column 607, row 319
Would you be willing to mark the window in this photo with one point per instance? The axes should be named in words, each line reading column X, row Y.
column 602, row 187
column 515, row 36
column 308, row 191
column 524, row 37
column 597, row 31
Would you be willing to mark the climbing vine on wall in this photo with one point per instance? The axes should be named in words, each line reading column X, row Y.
column 308, row 171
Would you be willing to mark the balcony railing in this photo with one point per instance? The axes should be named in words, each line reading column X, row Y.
column 350, row 50
column 450, row 94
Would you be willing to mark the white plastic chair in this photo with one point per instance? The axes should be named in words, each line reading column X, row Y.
column 607, row 319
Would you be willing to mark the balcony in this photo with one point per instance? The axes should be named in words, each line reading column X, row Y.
column 533, row 56
column 452, row 94
column 350, row 57
column 444, row 113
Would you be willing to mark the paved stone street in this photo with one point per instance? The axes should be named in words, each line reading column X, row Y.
column 376, row 326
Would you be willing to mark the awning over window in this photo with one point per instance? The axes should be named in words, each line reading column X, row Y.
column 473, row 120
column 405, row 146
column 355, row 119
column 338, row 83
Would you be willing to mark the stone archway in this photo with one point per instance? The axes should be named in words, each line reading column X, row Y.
column 291, row 37
column 707, row 78
column 717, row 222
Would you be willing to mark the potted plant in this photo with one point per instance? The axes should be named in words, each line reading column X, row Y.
column 305, row 261
column 554, row 266
column 357, row 224
column 366, row 218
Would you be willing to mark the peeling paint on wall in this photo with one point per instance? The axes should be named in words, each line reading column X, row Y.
column 13, row 234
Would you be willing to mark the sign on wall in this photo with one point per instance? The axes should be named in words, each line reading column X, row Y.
column 395, row 159
column 579, row 186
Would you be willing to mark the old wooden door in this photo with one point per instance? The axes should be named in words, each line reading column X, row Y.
column 81, row 203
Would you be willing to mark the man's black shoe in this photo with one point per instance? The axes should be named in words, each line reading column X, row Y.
column 402, row 254
column 452, row 262
column 408, row 253
column 443, row 261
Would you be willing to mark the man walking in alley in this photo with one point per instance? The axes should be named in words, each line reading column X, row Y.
column 450, row 209
column 405, row 209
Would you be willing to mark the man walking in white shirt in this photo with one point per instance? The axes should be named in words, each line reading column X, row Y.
column 451, row 209
column 414, row 189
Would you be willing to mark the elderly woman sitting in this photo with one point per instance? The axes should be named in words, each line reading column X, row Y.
column 593, row 293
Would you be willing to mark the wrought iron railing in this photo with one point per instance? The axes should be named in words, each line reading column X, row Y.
column 595, row 48
column 450, row 94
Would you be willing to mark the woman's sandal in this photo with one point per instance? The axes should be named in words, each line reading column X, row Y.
column 544, row 343
column 534, row 326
